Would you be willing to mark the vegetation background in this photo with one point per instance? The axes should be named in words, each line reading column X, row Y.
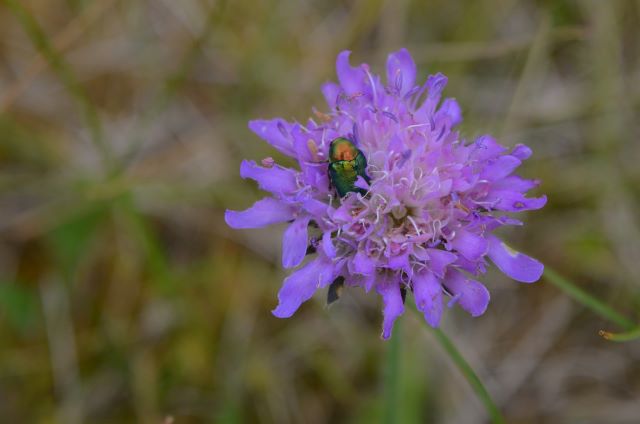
column 125, row 298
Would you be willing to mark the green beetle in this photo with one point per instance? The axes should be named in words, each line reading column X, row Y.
column 346, row 163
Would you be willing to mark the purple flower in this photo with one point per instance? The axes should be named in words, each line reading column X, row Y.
column 426, row 219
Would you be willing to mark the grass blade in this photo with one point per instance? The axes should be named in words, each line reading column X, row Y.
column 587, row 300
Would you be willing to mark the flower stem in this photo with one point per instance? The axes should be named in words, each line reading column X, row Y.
column 392, row 376
column 469, row 374
column 466, row 370
column 579, row 295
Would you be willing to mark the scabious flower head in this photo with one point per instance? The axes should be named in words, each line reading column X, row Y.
column 422, row 219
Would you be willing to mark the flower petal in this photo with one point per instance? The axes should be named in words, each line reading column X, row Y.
column 434, row 85
column 351, row 79
column 276, row 133
column 516, row 265
column 515, row 183
column 513, row 201
column 316, row 207
column 301, row 285
column 470, row 245
column 401, row 71
column 327, row 245
column 427, row 292
column 295, row 242
column 263, row 212
column 486, row 147
column 361, row 183
column 362, row 264
column 400, row 261
column 276, row 179
column 451, row 109
column 331, row 91
column 389, row 289
column 439, row 259
column 365, row 281
column 500, row 168
column 472, row 296
column 521, row 151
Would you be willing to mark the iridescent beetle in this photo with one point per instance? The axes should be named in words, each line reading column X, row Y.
column 346, row 163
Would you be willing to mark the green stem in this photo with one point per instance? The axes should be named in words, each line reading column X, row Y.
column 469, row 374
column 392, row 376
column 466, row 370
column 586, row 299
column 621, row 337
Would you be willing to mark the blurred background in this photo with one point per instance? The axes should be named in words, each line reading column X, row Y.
column 124, row 298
